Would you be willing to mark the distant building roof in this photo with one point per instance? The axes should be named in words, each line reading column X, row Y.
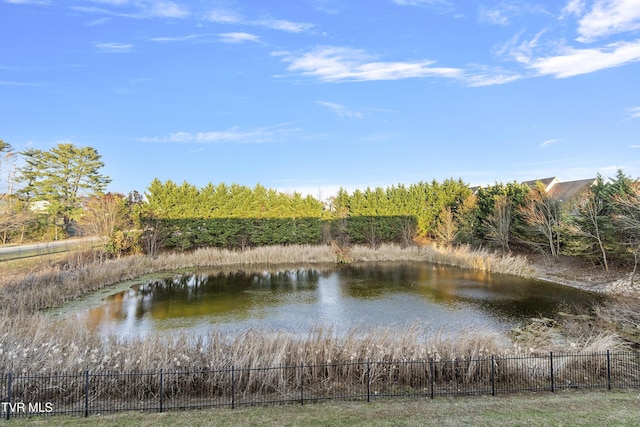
column 565, row 190
column 557, row 190
column 474, row 189
column 547, row 183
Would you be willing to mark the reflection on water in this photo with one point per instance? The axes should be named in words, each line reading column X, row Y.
column 366, row 295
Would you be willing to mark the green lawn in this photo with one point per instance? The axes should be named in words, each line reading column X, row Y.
column 538, row 409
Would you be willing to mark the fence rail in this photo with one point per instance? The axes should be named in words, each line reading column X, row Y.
column 86, row 393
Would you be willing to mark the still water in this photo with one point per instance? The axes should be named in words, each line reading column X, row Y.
column 299, row 299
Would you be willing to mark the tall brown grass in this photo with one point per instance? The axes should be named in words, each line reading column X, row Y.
column 36, row 343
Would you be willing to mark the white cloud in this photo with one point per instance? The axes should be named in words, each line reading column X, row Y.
column 607, row 17
column 226, row 16
column 634, row 112
column 112, row 2
column 136, row 9
column 520, row 51
column 238, row 37
column 334, row 64
column 167, row 9
column 573, row 62
column 189, row 37
column 493, row 16
column 548, row 142
column 223, row 16
column 114, row 47
column 504, row 12
column 233, row 135
column 419, row 2
column 39, row 2
column 573, row 7
column 491, row 78
column 279, row 24
column 341, row 110
column 443, row 5
column 8, row 83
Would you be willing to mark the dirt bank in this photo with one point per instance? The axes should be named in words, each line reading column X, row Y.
column 582, row 274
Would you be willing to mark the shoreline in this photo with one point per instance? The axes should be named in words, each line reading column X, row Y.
column 580, row 274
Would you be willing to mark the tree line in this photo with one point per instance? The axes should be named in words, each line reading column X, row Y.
column 61, row 192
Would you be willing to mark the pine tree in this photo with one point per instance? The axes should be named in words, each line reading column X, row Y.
column 61, row 177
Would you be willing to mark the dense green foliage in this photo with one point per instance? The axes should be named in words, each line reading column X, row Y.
column 239, row 216
column 60, row 177
column 231, row 216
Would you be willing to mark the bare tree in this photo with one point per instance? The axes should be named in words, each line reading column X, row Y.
column 628, row 218
column 498, row 223
column 108, row 217
column 7, row 156
column 446, row 230
column 591, row 210
column 152, row 236
column 542, row 221
column 15, row 217
column 103, row 215
column 406, row 226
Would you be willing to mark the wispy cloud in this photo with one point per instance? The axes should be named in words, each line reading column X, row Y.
column 634, row 112
column 171, row 39
column 335, row 64
column 114, row 47
column 167, row 9
column 520, row 50
column 10, row 83
column 439, row 5
column 331, row 7
column 573, row 7
column 505, row 12
column 238, row 37
column 605, row 18
column 39, row 2
column 548, row 142
column 137, row 9
column 341, row 110
column 481, row 75
column 227, row 16
column 224, row 16
column 573, row 62
column 233, row 135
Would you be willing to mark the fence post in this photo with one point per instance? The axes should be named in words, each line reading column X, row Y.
column 368, row 380
column 551, row 365
column 608, row 370
column 431, row 368
column 9, row 387
column 86, row 393
column 493, row 376
column 301, row 383
column 161, row 390
column 233, row 387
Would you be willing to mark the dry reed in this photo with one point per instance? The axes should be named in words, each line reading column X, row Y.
column 267, row 362
column 37, row 343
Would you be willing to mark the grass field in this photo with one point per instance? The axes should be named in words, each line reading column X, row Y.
column 537, row 409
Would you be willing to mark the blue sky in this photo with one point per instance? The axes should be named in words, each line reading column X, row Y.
column 312, row 95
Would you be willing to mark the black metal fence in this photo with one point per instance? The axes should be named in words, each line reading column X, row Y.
column 85, row 393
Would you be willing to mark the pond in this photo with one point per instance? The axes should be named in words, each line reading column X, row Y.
column 299, row 299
